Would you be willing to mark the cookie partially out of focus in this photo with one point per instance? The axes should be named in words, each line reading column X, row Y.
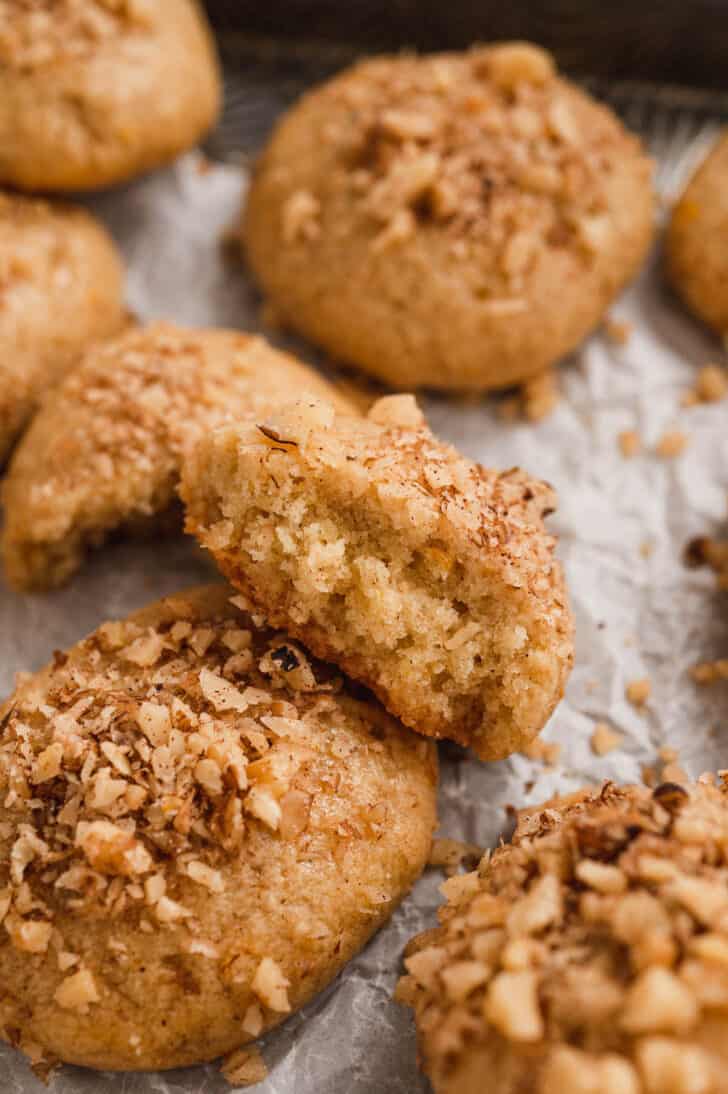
column 61, row 287
column 423, row 575
column 587, row 956
column 103, row 453
column 695, row 252
column 200, row 826
column 93, row 92
column 455, row 221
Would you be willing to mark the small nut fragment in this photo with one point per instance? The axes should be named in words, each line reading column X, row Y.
column 604, row 739
column 638, row 692
column 601, row 876
column 77, row 992
column 205, row 875
column 630, row 443
column 47, row 764
column 512, row 1006
column 462, row 978
column 672, row 443
column 518, row 62
column 270, row 985
column 244, row 1067
column 540, row 907
column 658, row 1002
column 674, row 1067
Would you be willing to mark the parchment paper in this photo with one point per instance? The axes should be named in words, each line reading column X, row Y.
column 636, row 616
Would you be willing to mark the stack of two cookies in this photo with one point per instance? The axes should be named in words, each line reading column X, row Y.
column 203, row 822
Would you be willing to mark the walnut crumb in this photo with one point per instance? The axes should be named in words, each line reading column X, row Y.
column 671, row 444
column 452, row 853
column 244, row 1067
column 540, row 396
column 630, row 443
column 604, row 739
column 547, row 752
column 638, row 692
column 711, row 386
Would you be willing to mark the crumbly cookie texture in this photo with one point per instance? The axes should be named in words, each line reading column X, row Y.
column 588, row 956
column 199, row 826
column 457, row 221
column 95, row 91
column 423, row 575
column 104, row 451
column 695, row 260
column 61, row 286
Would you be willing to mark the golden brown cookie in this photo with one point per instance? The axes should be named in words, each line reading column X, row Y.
column 93, row 92
column 103, row 454
column 425, row 576
column 695, row 255
column 199, row 827
column 61, row 286
column 588, row 956
column 455, row 221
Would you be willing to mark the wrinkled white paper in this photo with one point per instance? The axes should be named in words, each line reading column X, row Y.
column 636, row 616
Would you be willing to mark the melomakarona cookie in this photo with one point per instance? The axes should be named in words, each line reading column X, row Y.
column 61, row 287
column 456, row 221
column 587, row 956
column 103, row 454
column 199, row 827
column 422, row 574
column 696, row 259
column 95, row 91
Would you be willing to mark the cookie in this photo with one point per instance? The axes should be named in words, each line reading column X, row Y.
column 423, row 575
column 695, row 258
column 93, row 92
column 455, row 221
column 103, row 454
column 199, row 827
column 61, row 286
column 588, row 956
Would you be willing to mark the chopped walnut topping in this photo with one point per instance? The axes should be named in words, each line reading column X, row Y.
column 604, row 922
column 512, row 1006
column 270, row 985
column 77, row 992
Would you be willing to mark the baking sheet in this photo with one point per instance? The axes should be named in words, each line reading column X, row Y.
column 636, row 616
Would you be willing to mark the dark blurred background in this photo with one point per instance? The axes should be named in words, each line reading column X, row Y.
column 673, row 41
